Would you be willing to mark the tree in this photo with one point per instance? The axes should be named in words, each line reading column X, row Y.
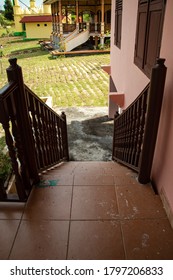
column 3, row 21
column 8, row 10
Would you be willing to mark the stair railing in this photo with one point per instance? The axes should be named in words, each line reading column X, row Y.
column 129, row 132
column 35, row 135
column 135, row 130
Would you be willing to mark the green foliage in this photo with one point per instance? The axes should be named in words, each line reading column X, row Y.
column 4, row 21
column 8, row 10
column 100, row 47
column 86, row 17
column 107, row 43
column 5, row 163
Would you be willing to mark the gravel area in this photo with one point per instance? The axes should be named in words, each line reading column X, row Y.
column 90, row 133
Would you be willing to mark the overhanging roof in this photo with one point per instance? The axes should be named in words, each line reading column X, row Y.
column 26, row 19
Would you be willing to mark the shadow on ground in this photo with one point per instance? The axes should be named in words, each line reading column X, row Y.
column 90, row 133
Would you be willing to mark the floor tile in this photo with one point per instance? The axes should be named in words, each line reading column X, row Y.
column 62, row 180
column 95, row 240
column 114, row 169
column 89, row 167
column 11, row 210
column 41, row 240
column 148, row 239
column 94, row 202
column 49, row 203
column 93, row 180
column 7, row 235
column 138, row 201
column 124, row 180
column 62, row 168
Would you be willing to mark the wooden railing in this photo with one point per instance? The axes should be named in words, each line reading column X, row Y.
column 68, row 27
column 49, row 132
column 135, row 130
column 36, row 136
column 95, row 27
column 129, row 132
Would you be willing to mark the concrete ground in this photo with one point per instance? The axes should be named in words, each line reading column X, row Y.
column 90, row 133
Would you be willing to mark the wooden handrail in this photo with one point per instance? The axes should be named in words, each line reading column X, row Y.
column 135, row 130
column 156, row 92
column 6, row 90
column 35, row 135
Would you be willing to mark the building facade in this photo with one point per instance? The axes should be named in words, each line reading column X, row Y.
column 141, row 32
column 32, row 21
column 68, row 16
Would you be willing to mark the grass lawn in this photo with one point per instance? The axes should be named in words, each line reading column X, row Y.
column 71, row 81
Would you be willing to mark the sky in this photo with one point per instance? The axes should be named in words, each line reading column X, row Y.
column 38, row 3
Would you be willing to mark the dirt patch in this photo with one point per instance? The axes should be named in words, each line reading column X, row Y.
column 90, row 133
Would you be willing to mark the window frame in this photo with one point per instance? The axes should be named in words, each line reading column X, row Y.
column 148, row 43
column 118, row 23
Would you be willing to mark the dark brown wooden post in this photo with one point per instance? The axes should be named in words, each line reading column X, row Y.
column 4, row 118
column 14, row 73
column 65, row 137
column 155, row 97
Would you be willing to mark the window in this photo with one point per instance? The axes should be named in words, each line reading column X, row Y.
column 148, row 33
column 38, row 24
column 45, row 24
column 118, row 23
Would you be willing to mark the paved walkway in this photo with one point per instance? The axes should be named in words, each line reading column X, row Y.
column 87, row 210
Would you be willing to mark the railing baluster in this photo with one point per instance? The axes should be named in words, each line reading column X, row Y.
column 35, row 135
column 128, row 132
column 12, row 153
column 136, row 128
column 64, row 136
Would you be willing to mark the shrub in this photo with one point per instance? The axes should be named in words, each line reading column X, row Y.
column 5, row 162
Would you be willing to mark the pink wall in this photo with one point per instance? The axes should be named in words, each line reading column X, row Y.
column 162, row 171
column 127, row 77
column 129, row 80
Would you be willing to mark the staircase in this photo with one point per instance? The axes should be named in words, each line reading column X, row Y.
column 36, row 136
column 72, row 204
column 135, row 130
column 74, row 40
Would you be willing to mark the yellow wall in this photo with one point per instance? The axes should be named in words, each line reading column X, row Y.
column 18, row 25
column 19, row 13
column 42, row 31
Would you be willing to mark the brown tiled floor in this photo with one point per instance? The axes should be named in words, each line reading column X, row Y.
column 87, row 210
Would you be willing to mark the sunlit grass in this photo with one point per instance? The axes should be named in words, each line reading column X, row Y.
column 71, row 81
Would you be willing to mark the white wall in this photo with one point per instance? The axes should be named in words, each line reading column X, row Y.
column 162, row 172
column 126, row 75
column 130, row 80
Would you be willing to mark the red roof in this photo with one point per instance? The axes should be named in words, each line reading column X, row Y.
column 36, row 19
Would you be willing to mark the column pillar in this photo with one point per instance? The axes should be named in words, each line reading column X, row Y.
column 60, row 18
column 53, row 23
column 53, row 18
column 95, row 21
column 56, row 19
column 102, row 23
column 57, row 26
column 77, row 15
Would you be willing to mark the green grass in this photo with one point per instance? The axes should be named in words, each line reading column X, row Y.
column 71, row 81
